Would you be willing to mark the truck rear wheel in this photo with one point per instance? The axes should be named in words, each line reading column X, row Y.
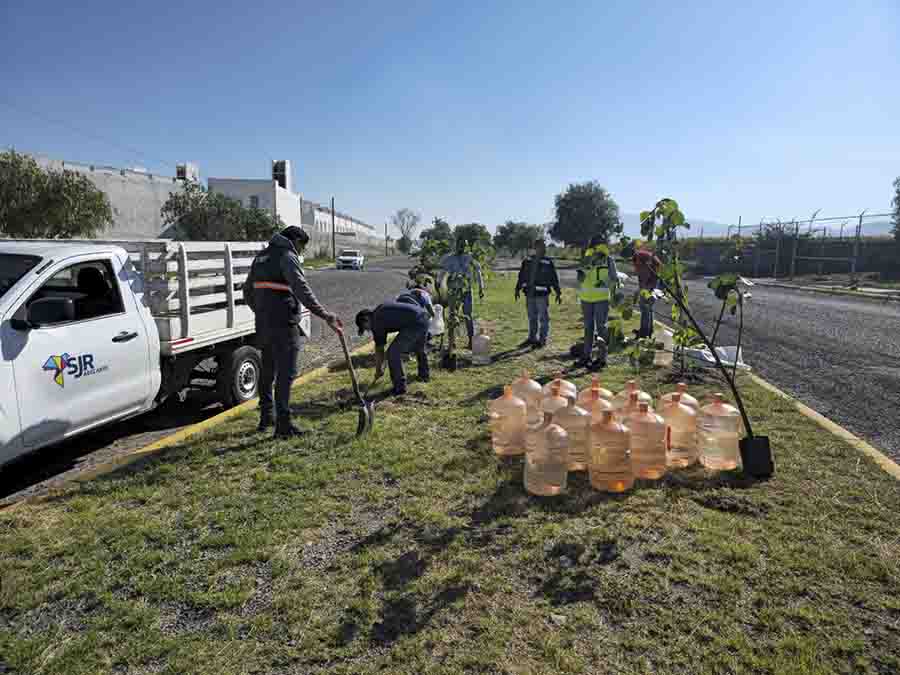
column 239, row 374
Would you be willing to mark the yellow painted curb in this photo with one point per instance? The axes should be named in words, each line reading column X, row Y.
column 173, row 439
column 882, row 460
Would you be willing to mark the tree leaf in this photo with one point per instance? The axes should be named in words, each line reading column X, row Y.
column 645, row 214
column 676, row 218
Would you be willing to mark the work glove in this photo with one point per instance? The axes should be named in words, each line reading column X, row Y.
column 559, row 298
column 481, row 294
column 517, row 294
column 334, row 323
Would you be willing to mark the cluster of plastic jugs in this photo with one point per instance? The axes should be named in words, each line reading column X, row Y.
column 616, row 438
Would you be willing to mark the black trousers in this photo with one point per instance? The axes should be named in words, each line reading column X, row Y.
column 280, row 352
column 410, row 340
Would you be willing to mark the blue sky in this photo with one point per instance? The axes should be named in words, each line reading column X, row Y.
column 475, row 111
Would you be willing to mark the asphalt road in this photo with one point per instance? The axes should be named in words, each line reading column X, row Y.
column 839, row 356
column 344, row 292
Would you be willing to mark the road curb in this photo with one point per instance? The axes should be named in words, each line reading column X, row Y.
column 882, row 460
column 827, row 291
column 168, row 441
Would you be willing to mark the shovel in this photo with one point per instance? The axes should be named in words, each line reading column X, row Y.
column 366, row 408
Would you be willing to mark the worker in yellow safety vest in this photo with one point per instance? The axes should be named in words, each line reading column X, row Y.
column 598, row 280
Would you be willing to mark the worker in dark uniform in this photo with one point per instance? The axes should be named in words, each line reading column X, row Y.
column 419, row 296
column 410, row 321
column 274, row 290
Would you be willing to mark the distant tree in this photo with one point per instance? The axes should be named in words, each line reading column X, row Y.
column 407, row 221
column 198, row 214
column 404, row 244
column 516, row 237
column 583, row 211
column 439, row 230
column 895, row 202
column 473, row 233
column 42, row 203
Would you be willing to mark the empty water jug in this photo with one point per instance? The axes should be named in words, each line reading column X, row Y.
column 647, row 443
column 554, row 400
column 686, row 399
column 577, row 423
column 529, row 391
column 631, row 408
column 585, row 397
column 436, row 325
column 620, row 399
column 481, row 348
column 719, row 435
column 681, row 432
column 663, row 357
column 566, row 388
column 609, row 464
column 508, row 423
column 547, row 459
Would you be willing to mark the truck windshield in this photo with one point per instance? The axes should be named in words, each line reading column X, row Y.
column 13, row 267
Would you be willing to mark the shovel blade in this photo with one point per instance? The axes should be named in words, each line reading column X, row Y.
column 756, row 456
column 366, row 418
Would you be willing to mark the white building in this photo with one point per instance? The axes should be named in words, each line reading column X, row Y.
column 276, row 195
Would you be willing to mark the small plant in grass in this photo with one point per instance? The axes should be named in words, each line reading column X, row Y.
column 663, row 222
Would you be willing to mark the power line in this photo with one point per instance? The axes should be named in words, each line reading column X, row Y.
column 94, row 136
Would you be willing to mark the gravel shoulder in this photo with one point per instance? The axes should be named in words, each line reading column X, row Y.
column 343, row 292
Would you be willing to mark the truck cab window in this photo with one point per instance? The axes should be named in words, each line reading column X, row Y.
column 91, row 286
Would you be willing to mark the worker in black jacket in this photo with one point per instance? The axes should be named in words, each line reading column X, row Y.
column 537, row 277
column 275, row 289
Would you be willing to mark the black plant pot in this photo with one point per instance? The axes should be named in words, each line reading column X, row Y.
column 756, row 456
column 449, row 362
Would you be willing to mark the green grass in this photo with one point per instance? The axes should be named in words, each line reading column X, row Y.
column 417, row 551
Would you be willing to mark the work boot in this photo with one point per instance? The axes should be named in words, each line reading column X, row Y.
column 288, row 431
column 265, row 421
column 399, row 390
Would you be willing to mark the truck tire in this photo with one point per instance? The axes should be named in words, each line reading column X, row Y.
column 239, row 373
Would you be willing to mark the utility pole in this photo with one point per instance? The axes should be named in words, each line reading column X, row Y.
column 385, row 241
column 779, row 233
column 333, row 234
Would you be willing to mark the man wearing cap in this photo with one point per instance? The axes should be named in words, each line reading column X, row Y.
column 275, row 289
column 537, row 278
column 410, row 321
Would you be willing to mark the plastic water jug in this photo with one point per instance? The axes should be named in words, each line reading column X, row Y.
column 686, row 399
column 681, row 432
column 609, row 465
column 647, row 443
column 566, row 388
column 508, row 423
column 547, row 460
column 529, row 391
column 663, row 357
column 620, row 399
column 481, row 348
column 632, row 408
column 577, row 423
column 584, row 396
column 596, row 406
column 554, row 401
column 719, row 435
column 436, row 325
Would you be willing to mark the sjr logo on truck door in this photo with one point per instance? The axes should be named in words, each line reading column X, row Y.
column 78, row 366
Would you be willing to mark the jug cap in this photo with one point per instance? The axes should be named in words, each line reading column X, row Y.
column 643, row 406
column 676, row 397
column 681, row 387
column 507, row 391
column 719, row 397
column 595, row 393
column 633, row 396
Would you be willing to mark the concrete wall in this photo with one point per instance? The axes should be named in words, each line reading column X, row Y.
column 136, row 197
column 243, row 190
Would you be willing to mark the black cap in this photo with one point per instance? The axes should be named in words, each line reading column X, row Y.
column 297, row 234
column 362, row 315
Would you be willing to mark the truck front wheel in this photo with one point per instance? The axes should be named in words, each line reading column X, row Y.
column 239, row 374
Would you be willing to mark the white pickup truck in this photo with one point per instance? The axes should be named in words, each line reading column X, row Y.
column 92, row 332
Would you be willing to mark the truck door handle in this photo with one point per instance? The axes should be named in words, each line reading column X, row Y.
column 124, row 336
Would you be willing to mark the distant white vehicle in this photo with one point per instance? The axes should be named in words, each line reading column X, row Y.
column 350, row 259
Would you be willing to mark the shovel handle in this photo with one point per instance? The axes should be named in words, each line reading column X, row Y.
column 350, row 365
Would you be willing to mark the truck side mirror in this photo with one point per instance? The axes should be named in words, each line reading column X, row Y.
column 49, row 311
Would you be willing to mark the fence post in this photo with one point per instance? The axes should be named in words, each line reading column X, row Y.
column 796, row 246
column 779, row 235
column 856, row 247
